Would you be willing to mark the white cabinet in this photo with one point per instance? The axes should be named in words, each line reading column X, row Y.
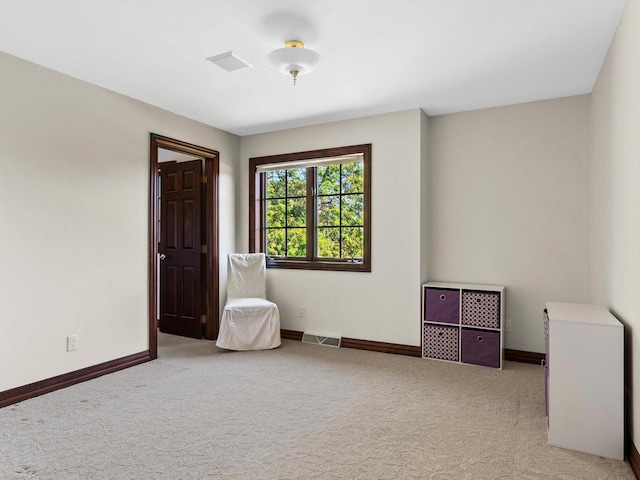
column 584, row 379
column 463, row 323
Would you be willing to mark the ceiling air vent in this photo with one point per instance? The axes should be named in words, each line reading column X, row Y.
column 229, row 61
column 321, row 340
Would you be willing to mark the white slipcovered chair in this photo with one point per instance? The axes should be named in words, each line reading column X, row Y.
column 249, row 320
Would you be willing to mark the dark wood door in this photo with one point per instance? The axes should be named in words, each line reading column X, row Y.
column 180, row 248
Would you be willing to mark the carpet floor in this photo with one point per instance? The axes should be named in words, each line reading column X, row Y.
column 297, row 412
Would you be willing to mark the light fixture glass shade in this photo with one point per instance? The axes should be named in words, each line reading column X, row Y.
column 288, row 59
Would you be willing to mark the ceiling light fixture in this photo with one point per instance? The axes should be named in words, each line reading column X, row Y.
column 294, row 59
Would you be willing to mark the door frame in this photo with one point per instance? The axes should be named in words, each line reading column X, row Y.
column 211, row 229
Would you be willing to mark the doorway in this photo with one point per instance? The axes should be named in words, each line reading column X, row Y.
column 191, row 270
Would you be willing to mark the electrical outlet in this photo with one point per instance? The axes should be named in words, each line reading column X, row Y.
column 72, row 343
column 301, row 311
column 507, row 325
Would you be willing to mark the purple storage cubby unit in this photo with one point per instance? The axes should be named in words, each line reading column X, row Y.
column 463, row 322
column 442, row 305
column 480, row 347
column 481, row 309
column 440, row 342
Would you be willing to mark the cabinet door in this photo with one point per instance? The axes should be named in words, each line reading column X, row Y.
column 442, row 305
column 480, row 347
column 481, row 309
column 440, row 342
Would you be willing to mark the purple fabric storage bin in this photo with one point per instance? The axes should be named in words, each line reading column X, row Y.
column 440, row 342
column 442, row 305
column 480, row 347
column 481, row 309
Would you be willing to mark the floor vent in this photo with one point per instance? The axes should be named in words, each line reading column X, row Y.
column 321, row 340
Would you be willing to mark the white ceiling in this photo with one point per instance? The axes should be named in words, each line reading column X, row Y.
column 377, row 55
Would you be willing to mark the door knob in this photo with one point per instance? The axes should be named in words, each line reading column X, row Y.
column 162, row 256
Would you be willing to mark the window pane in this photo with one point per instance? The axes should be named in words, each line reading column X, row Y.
column 275, row 242
column 296, row 212
column 329, row 180
column 329, row 242
column 276, row 183
column 275, row 213
column 310, row 214
column 297, row 182
column 353, row 210
column 296, row 242
column 353, row 177
column 352, row 242
column 328, row 211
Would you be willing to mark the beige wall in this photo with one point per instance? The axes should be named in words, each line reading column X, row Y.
column 74, row 200
column 615, row 185
column 383, row 305
column 508, row 196
column 496, row 196
column 504, row 195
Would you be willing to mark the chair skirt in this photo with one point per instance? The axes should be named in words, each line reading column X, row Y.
column 249, row 324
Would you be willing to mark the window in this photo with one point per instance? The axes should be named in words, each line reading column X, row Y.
column 312, row 210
